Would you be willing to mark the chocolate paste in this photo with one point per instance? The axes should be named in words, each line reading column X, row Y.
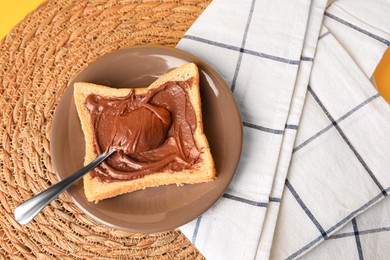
column 150, row 132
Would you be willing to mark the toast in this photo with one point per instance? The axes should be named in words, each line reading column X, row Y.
column 203, row 170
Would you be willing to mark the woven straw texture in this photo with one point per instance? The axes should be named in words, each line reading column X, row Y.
column 38, row 59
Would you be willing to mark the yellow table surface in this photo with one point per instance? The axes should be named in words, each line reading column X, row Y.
column 11, row 12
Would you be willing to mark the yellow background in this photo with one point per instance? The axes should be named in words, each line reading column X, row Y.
column 12, row 11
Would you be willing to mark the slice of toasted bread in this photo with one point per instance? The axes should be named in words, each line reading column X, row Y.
column 202, row 171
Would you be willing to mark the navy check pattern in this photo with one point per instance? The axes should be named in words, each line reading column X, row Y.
column 357, row 239
column 325, row 234
column 245, row 52
column 361, row 233
column 357, row 28
column 331, row 125
column 383, row 192
column 338, row 128
column 338, row 225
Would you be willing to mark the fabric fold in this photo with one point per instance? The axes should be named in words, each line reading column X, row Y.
column 250, row 54
column 309, row 113
column 342, row 136
column 292, row 126
column 362, row 28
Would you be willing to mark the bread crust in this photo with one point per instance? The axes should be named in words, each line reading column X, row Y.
column 202, row 171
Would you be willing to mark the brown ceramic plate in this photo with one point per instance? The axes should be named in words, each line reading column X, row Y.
column 162, row 208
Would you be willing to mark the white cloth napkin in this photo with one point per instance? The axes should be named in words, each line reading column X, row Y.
column 265, row 52
column 314, row 25
column 249, row 43
column 339, row 166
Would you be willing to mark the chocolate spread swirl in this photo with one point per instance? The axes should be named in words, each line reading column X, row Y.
column 150, row 132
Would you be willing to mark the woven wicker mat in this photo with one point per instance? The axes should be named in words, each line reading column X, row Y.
column 38, row 59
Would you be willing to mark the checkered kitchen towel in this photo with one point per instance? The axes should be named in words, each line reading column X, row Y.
column 340, row 164
column 266, row 52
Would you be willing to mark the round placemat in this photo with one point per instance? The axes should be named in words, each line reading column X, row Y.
column 38, row 59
